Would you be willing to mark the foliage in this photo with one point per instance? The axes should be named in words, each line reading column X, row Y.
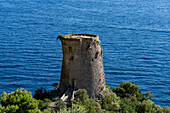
column 108, row 88
column 81, row 95
column 101, row 51
column 140, row 96
column 43, row 104
column 132, row 105
column 129, row 100
column 65, row 110
column 157, row 109
column 60, row 37
column 147, row 106
column 33, row 111
column 49, row 110
column 167, row 109
column 19, row 101
column 126, row 89
column 127, row 106
column 56, row 85
column 97, row 43
column 110, row 102
column 106, row 103
column 92, row 106
column 41, row 94
column 78, row 109
column 2, row 109
column 148, row 95
column 59, row 105
column 75, row 109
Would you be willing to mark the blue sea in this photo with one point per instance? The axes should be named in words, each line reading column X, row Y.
column 135, row 38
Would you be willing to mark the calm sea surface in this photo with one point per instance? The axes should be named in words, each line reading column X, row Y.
column 135, row 37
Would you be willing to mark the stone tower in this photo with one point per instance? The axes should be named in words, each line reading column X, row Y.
column 82, row 65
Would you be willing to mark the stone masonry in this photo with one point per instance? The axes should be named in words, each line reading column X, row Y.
column 82, row 65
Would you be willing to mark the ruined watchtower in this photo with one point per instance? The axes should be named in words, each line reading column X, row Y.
column 82, row 65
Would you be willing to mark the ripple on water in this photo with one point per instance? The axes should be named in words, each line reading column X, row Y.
column 135, row 42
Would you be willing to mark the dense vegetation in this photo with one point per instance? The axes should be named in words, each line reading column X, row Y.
column 124, row 99
column 18, row 101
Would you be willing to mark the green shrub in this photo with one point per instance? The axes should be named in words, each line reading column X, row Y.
column 131, row 100
column 167, row 109
column 49, row 110
column 92, row 106
column 110, row 102
column 128, row 106
column 78, row 109
column 59, row 105
column 140, row 96
column 75, row 109
column 19, row 101
column 33, row 111
column 145, row 107
column 116, row 99
column 126, row 89
column 61, row 37
column 2, row 109
column 65, row 110
column 106, row 103
column 148, row 95
column 81, row 95
column 157, row 109
column 44, row 104
column 41, row 94
column 108, row 87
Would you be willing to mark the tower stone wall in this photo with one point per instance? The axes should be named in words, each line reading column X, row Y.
column 82, row 65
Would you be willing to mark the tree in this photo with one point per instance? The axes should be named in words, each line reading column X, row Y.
column 145, row 107
column 59, row 105
column 128, row 105
column 148, row 95
column 110, row 102
column 41, row 94
column 167, row 109
column 43, row 104
column 92, row 106
column 2, row 109
column 19, row 101
column 126, row 89
column 75, row 109
column 81, row 95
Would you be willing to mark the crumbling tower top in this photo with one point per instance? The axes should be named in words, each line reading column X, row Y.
column 79, row 36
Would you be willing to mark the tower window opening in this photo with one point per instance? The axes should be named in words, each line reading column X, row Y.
column 70, row 49
column 71, row 58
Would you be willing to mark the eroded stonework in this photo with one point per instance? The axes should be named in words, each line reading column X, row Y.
column 82, row 65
